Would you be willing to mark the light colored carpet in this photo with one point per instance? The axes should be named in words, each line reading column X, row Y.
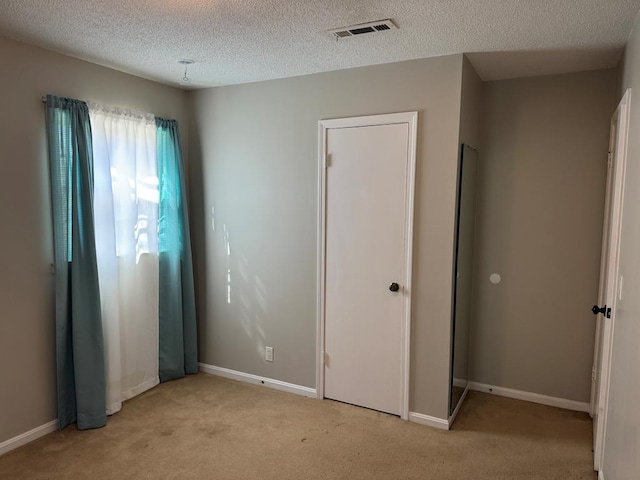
column 204, row 427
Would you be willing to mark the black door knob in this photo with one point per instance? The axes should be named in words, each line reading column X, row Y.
column 394, row 287
column 603, row 310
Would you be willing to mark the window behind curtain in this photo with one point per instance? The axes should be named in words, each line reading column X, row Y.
column 126, row 222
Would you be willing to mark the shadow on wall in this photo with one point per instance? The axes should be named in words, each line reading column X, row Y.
column 245, row 294
column 248, row 291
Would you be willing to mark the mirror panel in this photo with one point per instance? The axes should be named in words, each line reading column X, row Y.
column 465, row 234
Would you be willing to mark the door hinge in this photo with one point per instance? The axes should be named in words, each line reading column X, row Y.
column 327, row 161
column 593, row 373
column 609, row 160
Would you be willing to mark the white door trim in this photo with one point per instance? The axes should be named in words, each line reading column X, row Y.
column 600, row 398
column 410, row 118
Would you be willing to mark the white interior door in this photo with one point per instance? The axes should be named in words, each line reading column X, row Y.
column 366, row 277
column 609, row 283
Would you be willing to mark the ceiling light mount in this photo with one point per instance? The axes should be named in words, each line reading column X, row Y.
column 185, row 79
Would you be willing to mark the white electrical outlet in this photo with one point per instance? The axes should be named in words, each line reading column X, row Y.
column 268, row 354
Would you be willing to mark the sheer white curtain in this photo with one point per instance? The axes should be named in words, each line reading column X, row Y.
column 126, row 218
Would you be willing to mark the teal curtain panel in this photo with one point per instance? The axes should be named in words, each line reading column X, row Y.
column 79, row 339
column 178, row 353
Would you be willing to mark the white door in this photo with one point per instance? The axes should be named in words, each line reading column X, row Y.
column 609, row 284
column 367, row 211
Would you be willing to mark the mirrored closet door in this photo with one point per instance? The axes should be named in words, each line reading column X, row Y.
column 465, row 233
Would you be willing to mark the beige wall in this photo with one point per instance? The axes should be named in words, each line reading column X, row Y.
column 541, row 199
column 622, row 444
column 254, row 153
column 470, row 106
column 27, row 371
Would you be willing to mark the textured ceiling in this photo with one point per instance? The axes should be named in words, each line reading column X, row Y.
column 238, row 41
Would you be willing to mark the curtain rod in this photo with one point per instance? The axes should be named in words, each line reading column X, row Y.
column 44, row 100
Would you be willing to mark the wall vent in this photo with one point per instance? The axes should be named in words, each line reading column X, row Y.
column 362, row 28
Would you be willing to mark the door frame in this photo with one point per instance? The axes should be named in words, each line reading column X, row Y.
column 610, row 257
column 410, row 118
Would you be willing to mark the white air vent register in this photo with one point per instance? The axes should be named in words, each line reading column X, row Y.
column 362, row 28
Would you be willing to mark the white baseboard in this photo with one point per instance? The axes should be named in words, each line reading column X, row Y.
column 531, row 397
column 257, row 380
column 600, row 475
column 457, row 409
column 429, row 421
column 30, row 436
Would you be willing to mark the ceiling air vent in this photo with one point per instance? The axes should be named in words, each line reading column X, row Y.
column 362, row 28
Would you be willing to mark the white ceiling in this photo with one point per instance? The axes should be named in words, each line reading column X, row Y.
column 239, row 41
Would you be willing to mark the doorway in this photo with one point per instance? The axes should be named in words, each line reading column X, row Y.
column 367, row 177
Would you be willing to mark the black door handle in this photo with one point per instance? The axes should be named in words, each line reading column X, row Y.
column 606, row 311
column 394, row 287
